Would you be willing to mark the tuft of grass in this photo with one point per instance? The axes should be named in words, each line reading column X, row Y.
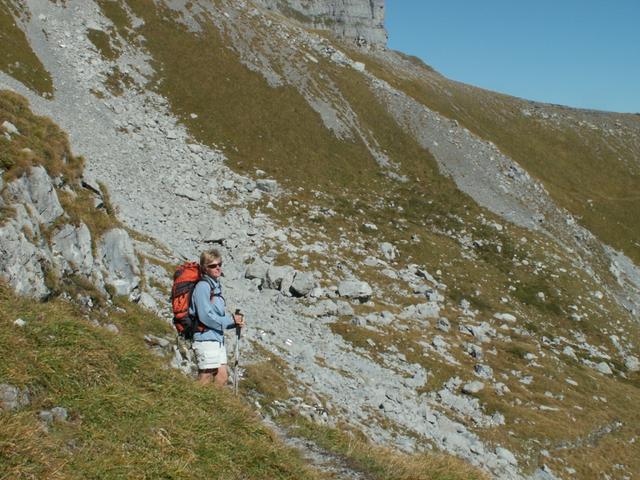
column 102, row 41
column 40, row 142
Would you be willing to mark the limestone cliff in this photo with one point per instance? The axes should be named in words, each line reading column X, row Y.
column 361, row 21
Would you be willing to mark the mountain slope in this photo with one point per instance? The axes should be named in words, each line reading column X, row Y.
column 459, row 208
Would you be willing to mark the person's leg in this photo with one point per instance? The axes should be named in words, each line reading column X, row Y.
column 221, row 376
column 206, row 376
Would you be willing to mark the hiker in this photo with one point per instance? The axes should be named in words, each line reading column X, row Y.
column 209, row 306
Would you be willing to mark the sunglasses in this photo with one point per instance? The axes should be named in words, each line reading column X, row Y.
column 214, row 265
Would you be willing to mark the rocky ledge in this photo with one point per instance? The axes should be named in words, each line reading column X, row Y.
column 361, row 21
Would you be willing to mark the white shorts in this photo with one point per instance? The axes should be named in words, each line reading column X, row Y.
column 210, row 355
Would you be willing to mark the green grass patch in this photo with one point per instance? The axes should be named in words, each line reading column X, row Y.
column 129, row 416
column 17, row 58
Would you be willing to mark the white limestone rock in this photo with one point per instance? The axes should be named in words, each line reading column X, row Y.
column 116, row 254
column 10, row 128
column 21, row 263
column 71, row 245
column 472, row 387
column 389, row 251
column 37, row 193
column 280, row 278
column 355, row 289
column 632, row 363
column 303, row 284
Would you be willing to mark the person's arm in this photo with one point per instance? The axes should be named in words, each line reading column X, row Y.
column 207, row 312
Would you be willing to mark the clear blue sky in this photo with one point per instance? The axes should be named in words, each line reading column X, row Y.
column 579, row 53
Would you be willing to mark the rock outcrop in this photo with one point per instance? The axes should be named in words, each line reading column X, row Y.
column 361, row 21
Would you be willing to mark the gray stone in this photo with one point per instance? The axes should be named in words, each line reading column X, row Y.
column 569, row 352
column 110, row 327
column 428, row 310
column 18, row 322
column 302, row 284
column 21, row 263
column 46, row 416
column 389, row 251
column 12, row 398
column 148, row 302
column 10, row 128
column 56, row 414
column 505, row 317
column 36, row 191
column 506, row 455
column 257, row 270
column 73, row 246
column 632, row 364
column 90, row 183
column 472, row 387
column 355, row 289
column 483, row 371
column 280, row 278
column 116, row 254
column 604, row 368
column 267, row 185
column 358, row 21
column 323, row 308
column 443, row 324
column 156, row 341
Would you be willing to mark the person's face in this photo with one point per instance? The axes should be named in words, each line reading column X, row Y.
column 214, row 268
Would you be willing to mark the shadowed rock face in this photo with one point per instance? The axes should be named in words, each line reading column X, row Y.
column 359, row 20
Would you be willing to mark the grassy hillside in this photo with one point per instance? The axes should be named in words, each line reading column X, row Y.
column 588, row 161
column 129, row 416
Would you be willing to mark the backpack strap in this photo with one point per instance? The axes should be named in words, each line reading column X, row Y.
column 201, row 327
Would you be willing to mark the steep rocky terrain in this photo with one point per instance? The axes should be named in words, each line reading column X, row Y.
column 433, row 265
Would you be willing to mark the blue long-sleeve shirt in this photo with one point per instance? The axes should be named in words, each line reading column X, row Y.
column 210, row 310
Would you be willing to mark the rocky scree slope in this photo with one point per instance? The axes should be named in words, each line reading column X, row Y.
column 469, row 300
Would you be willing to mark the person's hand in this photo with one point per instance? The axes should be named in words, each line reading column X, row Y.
column 238, row 319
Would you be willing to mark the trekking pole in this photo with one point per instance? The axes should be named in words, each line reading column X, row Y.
column 237, row 357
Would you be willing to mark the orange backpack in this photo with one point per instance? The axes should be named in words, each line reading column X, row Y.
column 184, row 281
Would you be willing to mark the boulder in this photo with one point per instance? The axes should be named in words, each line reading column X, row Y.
column 472, row 387
column 303, row 284
column 37, row 193
column 148, row 302
column 21, row 263
column 71, row 246
column 505, row 317
column 257, row 269
column 632, row 363
column 116, row 254
column 355, row 289
column 10, row 128
column 280, row 278
column 483, row 371
column 389, row 251
column 267, row 185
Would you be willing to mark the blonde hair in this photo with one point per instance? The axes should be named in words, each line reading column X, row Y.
column 207, row 257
